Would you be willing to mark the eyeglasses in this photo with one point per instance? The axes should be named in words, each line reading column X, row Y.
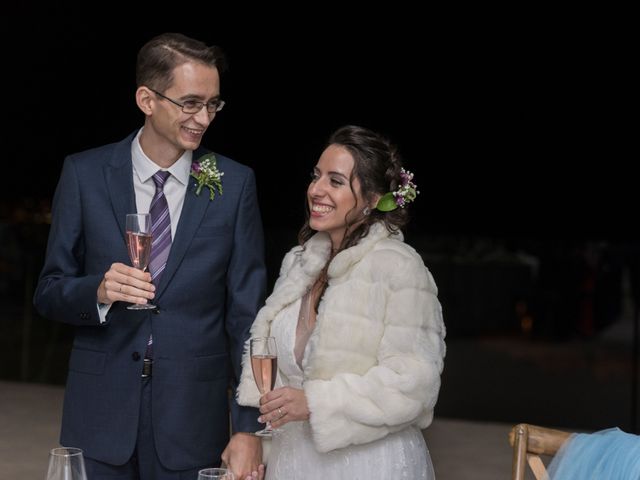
column 191, row 106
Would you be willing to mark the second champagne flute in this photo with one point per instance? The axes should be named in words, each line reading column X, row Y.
column 66, row 463
column 138, row 230
column 264, row 364
column 215, row 474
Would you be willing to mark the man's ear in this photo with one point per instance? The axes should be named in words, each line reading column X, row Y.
column 144, row 100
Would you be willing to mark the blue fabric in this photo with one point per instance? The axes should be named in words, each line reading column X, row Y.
column 144, row 464
column 605, row 455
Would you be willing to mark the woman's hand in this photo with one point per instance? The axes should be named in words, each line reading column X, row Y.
column 284, row 405
column 256, row 475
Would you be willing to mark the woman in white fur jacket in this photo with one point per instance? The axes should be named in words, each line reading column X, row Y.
column 358, row 327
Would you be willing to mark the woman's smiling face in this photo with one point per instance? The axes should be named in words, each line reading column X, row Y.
column 333, row 200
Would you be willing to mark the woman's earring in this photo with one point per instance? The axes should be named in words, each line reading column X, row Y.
column 366, row 211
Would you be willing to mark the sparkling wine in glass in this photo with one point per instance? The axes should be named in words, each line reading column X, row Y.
column 66, row 463
column 138, row 230
column 215, row 474
column 264, row 363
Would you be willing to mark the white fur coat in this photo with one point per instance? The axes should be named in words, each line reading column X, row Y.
column 377, row 351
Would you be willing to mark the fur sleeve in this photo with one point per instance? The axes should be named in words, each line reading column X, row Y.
column 402, row 388
column 247, row 392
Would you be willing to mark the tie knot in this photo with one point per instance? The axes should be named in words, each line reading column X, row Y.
column 160, row 177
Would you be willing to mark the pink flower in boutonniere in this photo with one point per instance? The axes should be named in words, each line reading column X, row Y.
column 206, row 172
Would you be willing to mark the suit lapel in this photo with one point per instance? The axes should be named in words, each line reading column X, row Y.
column 119, row 177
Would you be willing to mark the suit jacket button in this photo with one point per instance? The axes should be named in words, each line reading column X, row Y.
column 135, row 356
column 156, row 311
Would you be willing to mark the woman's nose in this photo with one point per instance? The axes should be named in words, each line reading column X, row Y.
column 316, row 188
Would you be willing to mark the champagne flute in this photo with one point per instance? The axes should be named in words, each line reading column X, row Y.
column 264, row 363
column 139, row 246
column 215, row 474
column 66, row 463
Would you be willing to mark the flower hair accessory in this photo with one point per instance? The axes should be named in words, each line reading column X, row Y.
column 406, row 193
column 206, row 172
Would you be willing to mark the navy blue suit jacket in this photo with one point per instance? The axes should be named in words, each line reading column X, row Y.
column 210, row 291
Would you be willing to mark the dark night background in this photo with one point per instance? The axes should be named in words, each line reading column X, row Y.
column 509, row 127
column 514, row 124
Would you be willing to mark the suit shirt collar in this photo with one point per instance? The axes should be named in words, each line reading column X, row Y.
column 145, row 168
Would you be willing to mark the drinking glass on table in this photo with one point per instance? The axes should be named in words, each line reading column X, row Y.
column 264, row 364
column 215, row 474
column 66, row 463
column 138, row 230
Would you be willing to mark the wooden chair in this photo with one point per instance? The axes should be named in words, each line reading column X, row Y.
column 529, row 442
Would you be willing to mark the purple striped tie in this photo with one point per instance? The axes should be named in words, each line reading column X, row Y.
column 160, row 228
column 161, row 237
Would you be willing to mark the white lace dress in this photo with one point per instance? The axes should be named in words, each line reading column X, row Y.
column 402, row 455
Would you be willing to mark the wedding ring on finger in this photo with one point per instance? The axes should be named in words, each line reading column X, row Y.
column 280, row 412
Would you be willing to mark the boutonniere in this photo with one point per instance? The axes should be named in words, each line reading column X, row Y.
column 206, row 172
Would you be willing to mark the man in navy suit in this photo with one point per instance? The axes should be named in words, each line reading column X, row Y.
column 161, row 411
